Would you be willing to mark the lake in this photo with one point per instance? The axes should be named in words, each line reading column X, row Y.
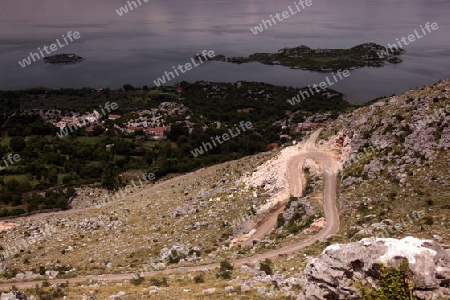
column 139, row 46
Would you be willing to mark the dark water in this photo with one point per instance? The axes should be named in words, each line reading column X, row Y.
column 140, row 46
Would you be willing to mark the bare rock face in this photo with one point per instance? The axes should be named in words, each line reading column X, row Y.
column 15, row 295
column 332, row 275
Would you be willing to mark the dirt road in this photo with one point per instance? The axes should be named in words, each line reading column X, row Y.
column 326, row 160
column 294, row 166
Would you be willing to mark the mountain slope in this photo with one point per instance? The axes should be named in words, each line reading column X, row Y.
column 395, row 155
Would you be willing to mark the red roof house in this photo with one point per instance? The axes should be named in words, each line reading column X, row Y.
column 113, row 117
column 132, row 129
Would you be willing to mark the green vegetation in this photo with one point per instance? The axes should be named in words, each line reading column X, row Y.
column 304, row 57
column 280, row 220
column 199, row 278
column 266, row 266
column 394, row 284
column 225, row 270
column 137, row 279
column 52, row 165
column 159, row 281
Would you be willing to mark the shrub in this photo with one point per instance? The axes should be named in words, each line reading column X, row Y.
column 137, row 279
column 42, row 270
column 159, row 282
column 174, row 257
column 199, row 278
column 45, row 284
column 9, row 274
column 225, row 270
column 393, row 282
column 428, row 220
column 280, row 220
column 265, row 266
column 308, row 187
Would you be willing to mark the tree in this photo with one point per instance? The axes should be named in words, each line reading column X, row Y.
column 177, row 130
column 98, row 130
column 149, row 157
column 108, row 178
column 128, row 87
column 280, row 220
column 66, row 179
column 12, row 185
column 70, row 192
column 17, row 144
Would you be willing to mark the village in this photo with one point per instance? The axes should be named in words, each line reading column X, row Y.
column 144, row 124
column 153, row 128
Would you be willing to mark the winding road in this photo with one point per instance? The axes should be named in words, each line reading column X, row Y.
column 294, row 168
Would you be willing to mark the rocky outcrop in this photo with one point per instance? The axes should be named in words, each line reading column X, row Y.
column 334, row 273
column 15, row 295
column 413, row 129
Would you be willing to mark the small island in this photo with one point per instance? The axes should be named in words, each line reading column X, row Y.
column 63, row 58
column 324, row 60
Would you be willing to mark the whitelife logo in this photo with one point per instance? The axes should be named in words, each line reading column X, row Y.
column 280, row 17
column 12, row 160
column 323, row 85
column 122, row 192
column 411, row 38
column 53, row 47
column 244, row 126
column 124, row 9
column 188, row 66
column 64, row 132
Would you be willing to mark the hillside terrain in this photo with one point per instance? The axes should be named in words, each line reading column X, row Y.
column 393, row 183
column 68, row 138
column 398, row 153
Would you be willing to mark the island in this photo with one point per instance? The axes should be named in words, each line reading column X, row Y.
column 63, row 58
column 324, row 60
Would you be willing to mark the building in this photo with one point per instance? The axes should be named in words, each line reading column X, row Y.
column 92, row 118
column 113, row 117
column 69, row 120
column 156, row 133
column 132, row 129
column 60, row 125
column 272, row 146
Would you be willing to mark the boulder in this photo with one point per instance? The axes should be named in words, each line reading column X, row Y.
column 334, row 273
column 209, row 291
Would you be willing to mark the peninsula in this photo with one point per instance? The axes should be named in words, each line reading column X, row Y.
column 306, row 58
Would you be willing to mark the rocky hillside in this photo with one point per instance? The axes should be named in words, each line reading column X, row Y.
column 395, row 165
column 394, row 184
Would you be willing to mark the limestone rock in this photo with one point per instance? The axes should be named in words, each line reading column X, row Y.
column 332, row 275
